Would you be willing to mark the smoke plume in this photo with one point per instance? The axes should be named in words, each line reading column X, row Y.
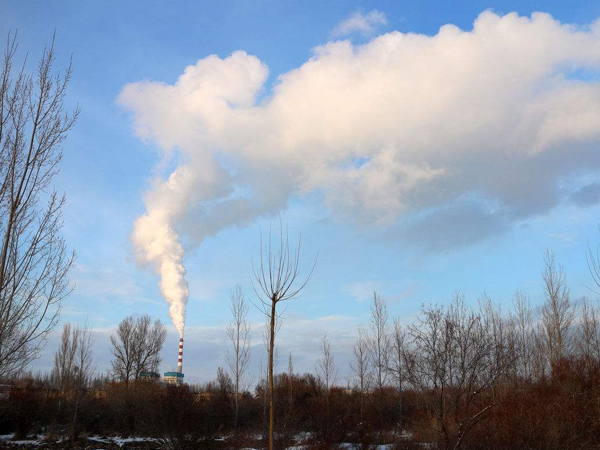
column 406, row 134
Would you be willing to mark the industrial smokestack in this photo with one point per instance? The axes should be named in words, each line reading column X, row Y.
column 180, row 359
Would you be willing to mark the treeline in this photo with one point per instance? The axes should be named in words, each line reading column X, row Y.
column 458, row 377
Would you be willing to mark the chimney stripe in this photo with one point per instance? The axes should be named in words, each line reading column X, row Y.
column 180, row 356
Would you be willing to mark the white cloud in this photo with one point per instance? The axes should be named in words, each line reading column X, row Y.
column 357, row 22
column 422, row 137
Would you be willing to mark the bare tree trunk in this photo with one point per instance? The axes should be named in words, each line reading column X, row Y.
column 275, row 281
column 271, row 388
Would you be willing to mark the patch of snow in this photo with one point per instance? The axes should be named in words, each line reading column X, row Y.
column 121, row 441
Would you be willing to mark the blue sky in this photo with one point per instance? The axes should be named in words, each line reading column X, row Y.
column 485, row 238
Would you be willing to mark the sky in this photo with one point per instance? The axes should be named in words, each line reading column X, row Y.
column 419, row 148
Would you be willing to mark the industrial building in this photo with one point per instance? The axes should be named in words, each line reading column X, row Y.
column 176, row 378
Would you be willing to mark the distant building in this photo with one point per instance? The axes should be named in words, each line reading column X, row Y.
column 152, row 376
column 174, row 378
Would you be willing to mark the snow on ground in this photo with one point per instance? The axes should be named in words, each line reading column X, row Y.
column 349, row 446
column 119, row 441
column 31, row 442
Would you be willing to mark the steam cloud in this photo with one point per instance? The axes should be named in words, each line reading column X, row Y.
column 407, row 132
column 157, row 243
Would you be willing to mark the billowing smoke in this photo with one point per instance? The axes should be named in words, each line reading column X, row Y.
column 157, row 243
column 455, row 136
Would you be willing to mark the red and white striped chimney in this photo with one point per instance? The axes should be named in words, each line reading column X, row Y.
column 180, row 359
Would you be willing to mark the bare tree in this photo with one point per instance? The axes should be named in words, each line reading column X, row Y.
column 522, row 319
column 361, row 367
column 238, row 359
column 558, row 314
column 396, row 361
column 136, row 347
column 74, row 368
column 64, row 359
column 34, row 262
column 83, row 372
column 540, row 360
column 501, row 333
column 589, row 339
column 379, row 340
column 454, row 361
column 276, row 280
column 325, row 366
column 379, row 349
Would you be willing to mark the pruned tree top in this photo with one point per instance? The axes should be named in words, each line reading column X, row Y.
column 277, row 277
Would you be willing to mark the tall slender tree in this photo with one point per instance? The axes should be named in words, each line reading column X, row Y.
column 238, row 358
column 325, row 366
column 361, row 367
column 396, row 361
column 74, row 369
column 34, row 261
column 276, row 280
column 558, row 313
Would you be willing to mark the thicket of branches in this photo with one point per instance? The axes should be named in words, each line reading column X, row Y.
column 463, row 375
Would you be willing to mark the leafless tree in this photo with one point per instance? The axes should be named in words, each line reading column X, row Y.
column 501, row 333
column 396, row 361
column 589, row 338
column 84, row 370
column 64, row 359
column 361, row 367
column 34, row 262
column 522, row 320
column 74, row 367
column 325, row 366
column 379, row 340
column 276, row 280
column 136, row 347
column 238, row 358
column 379, row 349
column 540, row 360
column 454, row 361
column 558, row 314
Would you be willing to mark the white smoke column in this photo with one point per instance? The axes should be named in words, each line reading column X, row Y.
column 196, row 199
column 157, row 244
